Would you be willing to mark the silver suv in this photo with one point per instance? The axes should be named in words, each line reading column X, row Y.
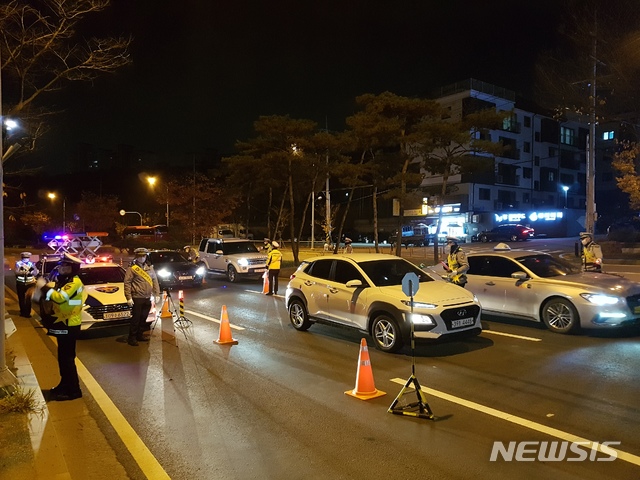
column 364, row 291
column 234, row 257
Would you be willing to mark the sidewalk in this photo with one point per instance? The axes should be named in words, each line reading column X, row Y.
column 64, row 441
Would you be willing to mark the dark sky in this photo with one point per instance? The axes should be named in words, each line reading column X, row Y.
column 204, row 70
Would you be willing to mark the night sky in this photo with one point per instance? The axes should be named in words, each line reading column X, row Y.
column 204, row 70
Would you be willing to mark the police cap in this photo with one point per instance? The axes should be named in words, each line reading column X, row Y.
column 69, row 259
column 25, row 254
column 452, row 240
column 140, row 252
column 347, row 240
column 585, row 235
column 275, row 244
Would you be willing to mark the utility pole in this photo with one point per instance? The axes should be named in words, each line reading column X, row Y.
column 7, row 379
column 591, row 214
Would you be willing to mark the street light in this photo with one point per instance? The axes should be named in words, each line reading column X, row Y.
column 566, row 189
column 53, row 196
column 152, row 181
column 123, row 213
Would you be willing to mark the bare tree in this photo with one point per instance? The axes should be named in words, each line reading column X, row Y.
column 41, row 50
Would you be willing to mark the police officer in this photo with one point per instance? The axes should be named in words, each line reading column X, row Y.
column 66, row 295
column 26, row 272
column 140, row 283
column 457, row 263
column 267, row 246
column 190, row 253
column 348, row 247
column 274, row 261
column 591, row 253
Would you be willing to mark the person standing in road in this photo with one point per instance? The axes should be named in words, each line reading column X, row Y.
column 66, row 296
column 274, row 262
column 591, row 253
column 26, row 272
column 266, row 245
column 140, row 283
column 457, row 263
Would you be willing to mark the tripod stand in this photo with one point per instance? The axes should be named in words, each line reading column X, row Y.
column 176, row 314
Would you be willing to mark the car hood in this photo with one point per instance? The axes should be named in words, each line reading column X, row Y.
column 590, row 281
column 174, row 265
column 105, row 294
column 440, row 293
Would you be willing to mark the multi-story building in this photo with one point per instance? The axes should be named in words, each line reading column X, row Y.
column 538, row 180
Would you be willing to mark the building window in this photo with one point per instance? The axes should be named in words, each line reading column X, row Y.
column 551, row 176
column 552, row 152
column 484, row 193
column 527, row 122
column 526, row 172
column 536, row 161
column 536, row 136
column 608, row 135
column 525, row 198
column 526, row 147
column 567, row 136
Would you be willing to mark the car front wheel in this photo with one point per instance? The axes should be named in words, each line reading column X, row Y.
column 298, row 315
column 386, row 334
column 560, row 316
column 514, row 238
column 232, row 274
column 484, row 239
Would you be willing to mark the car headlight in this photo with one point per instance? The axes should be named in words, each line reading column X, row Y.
column 200, row 271
column 243, row 262
column 164, row 273
column 418, row 319
column 418, row 304
column 599, row 299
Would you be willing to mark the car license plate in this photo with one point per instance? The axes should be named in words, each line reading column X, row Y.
column 112, row 315
column 185, row 278
column 463, row 322
column 260, row 270
column 636, row 309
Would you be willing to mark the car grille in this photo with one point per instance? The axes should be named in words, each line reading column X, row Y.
column 458, row 313
column 634, row 304
column 257, row 261
column 97, row 312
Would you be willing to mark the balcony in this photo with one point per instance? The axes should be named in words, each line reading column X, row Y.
column 513, row 180
column 501, row 205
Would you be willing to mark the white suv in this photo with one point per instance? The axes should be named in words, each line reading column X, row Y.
column 364, row 291
column 234, row 257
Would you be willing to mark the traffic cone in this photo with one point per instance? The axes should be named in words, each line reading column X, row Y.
column 165, row 307
column 265, row 283
column 365, row 386
column 224, row 337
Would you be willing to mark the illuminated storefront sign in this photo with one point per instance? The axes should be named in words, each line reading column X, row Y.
column 532, row 217
column 451, row 208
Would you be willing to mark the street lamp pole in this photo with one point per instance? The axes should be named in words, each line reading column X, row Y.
column 123, row 213
column 566, row 189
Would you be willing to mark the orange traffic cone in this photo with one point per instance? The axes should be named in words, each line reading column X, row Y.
column 165, row 307
column 224, row 337
column 365, row 387
column 265, row 283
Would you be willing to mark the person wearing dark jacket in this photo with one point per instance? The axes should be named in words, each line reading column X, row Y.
column 140, row 284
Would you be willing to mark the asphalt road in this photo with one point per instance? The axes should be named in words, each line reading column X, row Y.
column 273, row 406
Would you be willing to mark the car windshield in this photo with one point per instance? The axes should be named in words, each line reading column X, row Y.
column 238, row 247
column 98, row 275
column 166, row 257
column 391, row 272
column 546, row 266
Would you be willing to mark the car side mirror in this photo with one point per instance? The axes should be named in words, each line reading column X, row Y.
column 519, row 275
column 219, row 252
column 354, row 283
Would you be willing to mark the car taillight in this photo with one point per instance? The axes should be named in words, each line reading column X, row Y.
column 293, row 275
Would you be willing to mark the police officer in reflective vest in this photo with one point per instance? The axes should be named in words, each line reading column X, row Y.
column 26, row 272
column 67, row 296
column 591, row 253
column 140, row 283
column 457, row 263
column 274, row 262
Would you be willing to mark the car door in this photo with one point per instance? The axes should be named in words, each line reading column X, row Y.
column 347, row 305
column 215, row 260
column 316, row 288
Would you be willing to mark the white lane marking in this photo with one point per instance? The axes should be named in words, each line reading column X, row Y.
column 139, row 451
column 553, row 432
column 521, row 337
column 211, row 319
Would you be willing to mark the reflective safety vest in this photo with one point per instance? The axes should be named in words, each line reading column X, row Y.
column 67, row 302
column 26, row 271
column 452, row 261
column 274, row 260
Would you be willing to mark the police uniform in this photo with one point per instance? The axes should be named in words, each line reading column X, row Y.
column 140, row 283
column 457, row 263
column 591, row 253
column 26, row 272
column 348, row 248
column 67, row 296
column 274, row 262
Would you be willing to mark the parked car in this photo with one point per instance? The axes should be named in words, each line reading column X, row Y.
column 174, row 269
column 538, row 287
column 508, row 232
column 236, row 258
column 364, row 291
